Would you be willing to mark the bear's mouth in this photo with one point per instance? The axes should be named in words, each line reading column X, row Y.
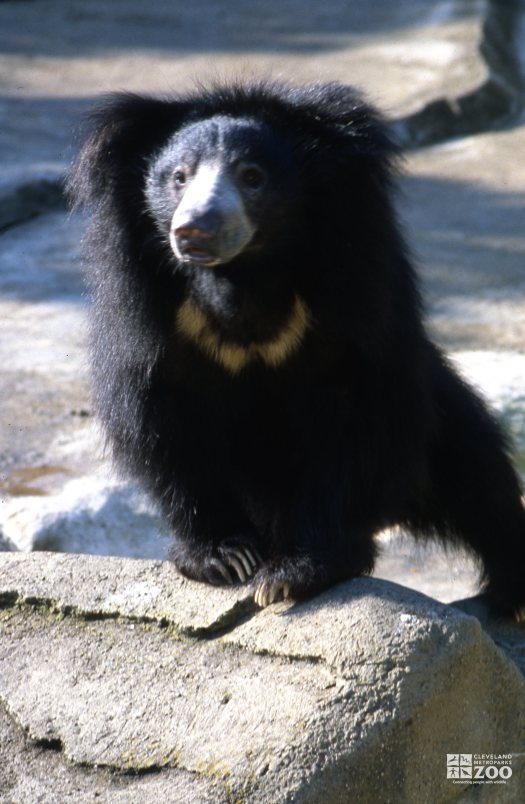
column 193, row 249
column 200, row 255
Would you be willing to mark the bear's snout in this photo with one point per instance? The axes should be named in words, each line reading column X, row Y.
column 210, row 224
column 196, row 240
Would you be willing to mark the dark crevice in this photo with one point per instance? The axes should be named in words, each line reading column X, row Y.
column 149, row 770
column 48, row 744
column 8, row 600
column 239, row 614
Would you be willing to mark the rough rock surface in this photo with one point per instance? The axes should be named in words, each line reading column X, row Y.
column 358, row 695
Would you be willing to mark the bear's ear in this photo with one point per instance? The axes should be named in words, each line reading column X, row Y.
column 346, row 125
column 119, row 136
column 351, row 146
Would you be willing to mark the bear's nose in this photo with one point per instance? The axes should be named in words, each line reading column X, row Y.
column 198, row 224
column 192, row 233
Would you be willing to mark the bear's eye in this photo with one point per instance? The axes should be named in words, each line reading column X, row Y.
column 179, row 177
column 252, row 176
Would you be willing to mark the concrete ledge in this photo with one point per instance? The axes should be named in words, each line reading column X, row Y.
column 121, row 666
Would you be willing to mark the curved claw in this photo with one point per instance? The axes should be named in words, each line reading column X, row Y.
column 235, row 562
column 242, row 555
column 243, row 560
column 253, row 557
column 222, row 569
column 229, row 564
column 268, row 593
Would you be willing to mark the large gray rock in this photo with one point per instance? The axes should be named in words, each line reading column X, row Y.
column 357, row 695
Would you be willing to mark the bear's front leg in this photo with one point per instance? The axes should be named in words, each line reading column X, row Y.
column 294, row 577
column 323, row 544
column 305, row 574
column 212, row 540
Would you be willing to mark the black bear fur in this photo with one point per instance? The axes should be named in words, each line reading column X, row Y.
column 281, row 466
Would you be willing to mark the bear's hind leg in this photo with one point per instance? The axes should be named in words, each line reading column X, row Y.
column 477, row 497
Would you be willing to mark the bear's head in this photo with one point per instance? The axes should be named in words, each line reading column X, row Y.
column 222, row 187
column 251, row 210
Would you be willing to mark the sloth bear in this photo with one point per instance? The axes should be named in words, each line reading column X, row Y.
column 259, row 356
